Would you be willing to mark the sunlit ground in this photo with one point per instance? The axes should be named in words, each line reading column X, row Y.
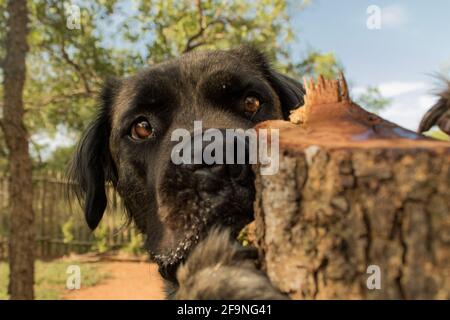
column 51, row 278
column 437, row 134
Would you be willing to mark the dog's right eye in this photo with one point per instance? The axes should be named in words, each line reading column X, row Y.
column 141, row 129
column 252, row 104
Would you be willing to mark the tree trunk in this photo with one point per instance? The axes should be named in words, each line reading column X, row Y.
column 21, row 236
column 356, row 211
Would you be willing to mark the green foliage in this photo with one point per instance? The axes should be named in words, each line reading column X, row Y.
column 51, row 278
column 317, row 63
column 65, row 67
column 438, row 134
column 136, row 245
column 372, row 100
column 2, row 27
column 67, row 230
column 101, row 239
column 60, row 158
column 243, row 237
column 182, row 26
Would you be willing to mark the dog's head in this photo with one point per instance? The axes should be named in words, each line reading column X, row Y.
column 129, row 144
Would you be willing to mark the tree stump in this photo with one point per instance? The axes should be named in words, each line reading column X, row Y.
column 359, row 209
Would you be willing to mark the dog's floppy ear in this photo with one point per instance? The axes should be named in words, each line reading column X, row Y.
column 289, row 91
column 92, row 165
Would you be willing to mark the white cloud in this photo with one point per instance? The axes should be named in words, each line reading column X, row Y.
column 426, row 101
column 394, row 88
column 356, row 91
column 409, row 101
column 393, row 16
column 407, row 111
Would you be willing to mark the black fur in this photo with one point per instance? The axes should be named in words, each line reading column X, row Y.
column 177, row 206
column 93, row 166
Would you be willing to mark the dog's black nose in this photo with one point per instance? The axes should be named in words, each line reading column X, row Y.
column 213, row 159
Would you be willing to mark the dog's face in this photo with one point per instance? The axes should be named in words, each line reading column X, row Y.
column 129, row 144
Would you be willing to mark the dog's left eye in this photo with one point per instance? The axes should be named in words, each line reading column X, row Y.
column 141, row 129
column 251, row 104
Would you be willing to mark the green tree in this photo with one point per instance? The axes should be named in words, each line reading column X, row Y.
column 317, row 63
column 373, row 100
column 181, row 26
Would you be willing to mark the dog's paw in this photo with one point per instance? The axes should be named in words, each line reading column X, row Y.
column 219, row 268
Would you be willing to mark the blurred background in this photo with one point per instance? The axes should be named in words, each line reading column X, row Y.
column 73, row 46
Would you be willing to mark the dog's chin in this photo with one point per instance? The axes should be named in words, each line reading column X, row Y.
column 224, row 215
column 169, row 260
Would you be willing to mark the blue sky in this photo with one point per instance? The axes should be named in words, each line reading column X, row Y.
column 400, row 58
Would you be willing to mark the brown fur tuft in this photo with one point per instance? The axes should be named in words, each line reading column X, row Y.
column 439, row 114
column 220, row 268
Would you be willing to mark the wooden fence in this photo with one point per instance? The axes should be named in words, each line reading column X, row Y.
column 60, row 225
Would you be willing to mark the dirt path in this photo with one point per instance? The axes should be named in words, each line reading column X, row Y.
column 126, row 281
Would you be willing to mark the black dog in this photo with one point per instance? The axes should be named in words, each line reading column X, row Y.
column 177, row 207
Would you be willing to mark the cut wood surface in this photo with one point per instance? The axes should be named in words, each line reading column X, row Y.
column 354, row 192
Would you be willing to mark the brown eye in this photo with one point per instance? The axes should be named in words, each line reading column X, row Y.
column 141, row 130
column 252, row 104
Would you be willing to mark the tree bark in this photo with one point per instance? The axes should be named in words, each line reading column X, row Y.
column 349, row 198
column 21, row 236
